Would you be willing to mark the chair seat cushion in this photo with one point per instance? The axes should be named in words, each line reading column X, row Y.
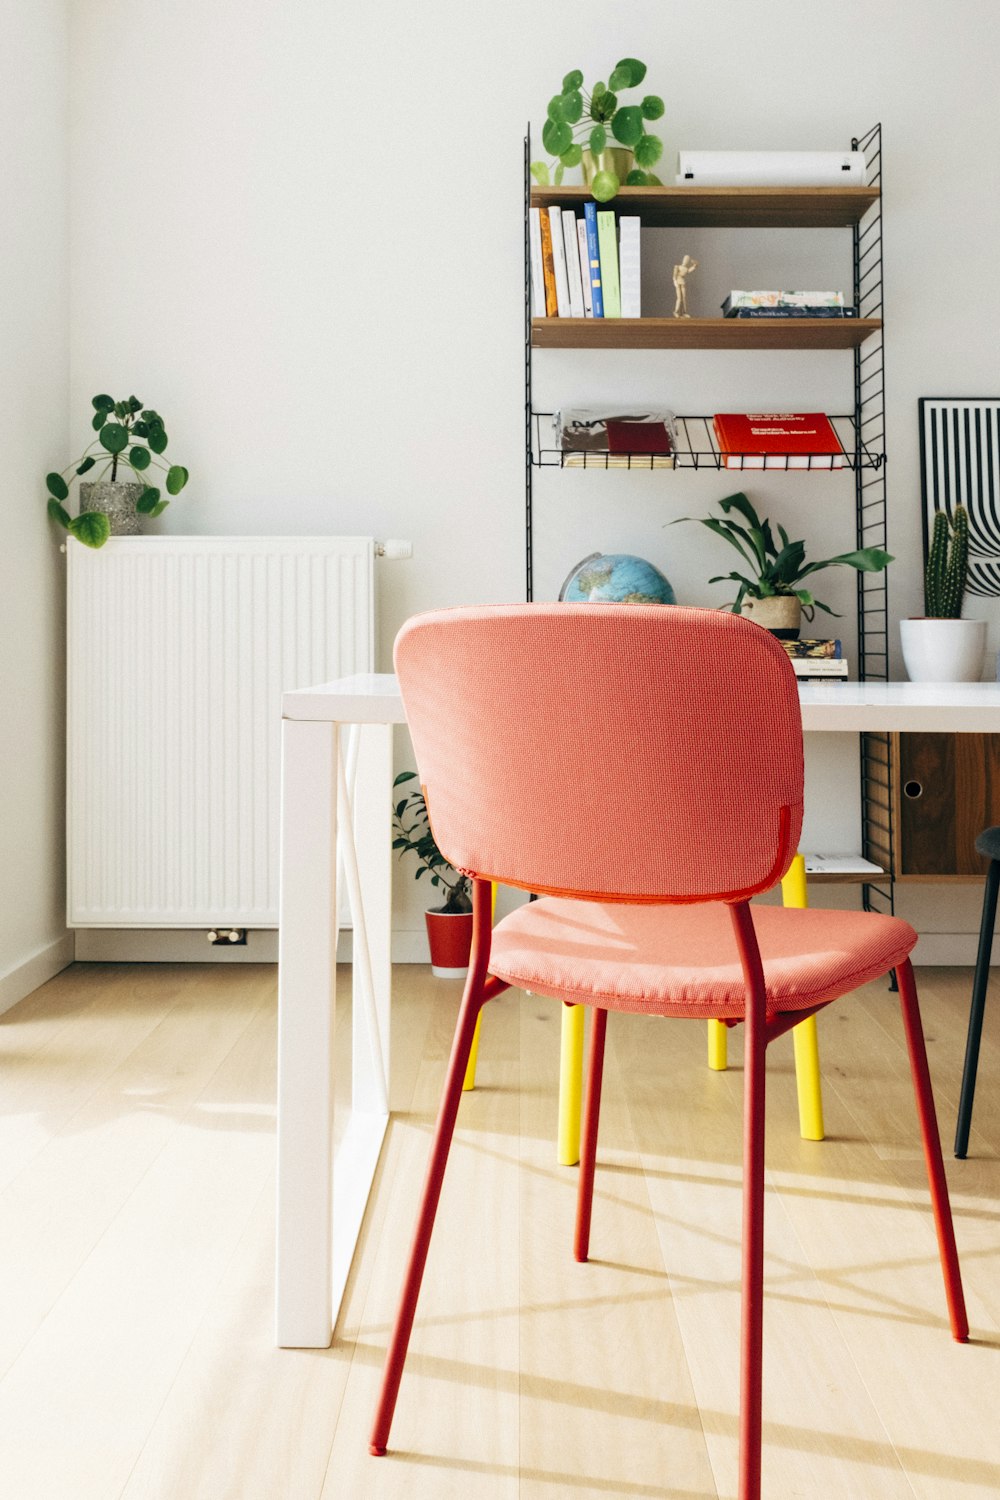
column 683, row 960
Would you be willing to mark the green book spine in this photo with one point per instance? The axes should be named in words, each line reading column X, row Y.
column 607, row 239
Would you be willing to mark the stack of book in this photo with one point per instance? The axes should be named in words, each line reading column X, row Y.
column 616, row 438
column 584, row 268
column 777, row 440
column 817, row 660
column 787, row 305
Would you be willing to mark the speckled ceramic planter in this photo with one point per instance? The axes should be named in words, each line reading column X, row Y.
column 117, row 501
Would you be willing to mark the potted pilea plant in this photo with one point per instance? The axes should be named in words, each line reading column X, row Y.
column 596, row 131
column 940, row 646
column 449, row 926
column 769, row 593
column 129, row 437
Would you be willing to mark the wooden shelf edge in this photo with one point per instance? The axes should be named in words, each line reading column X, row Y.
column 727, row 207
column 702, row 333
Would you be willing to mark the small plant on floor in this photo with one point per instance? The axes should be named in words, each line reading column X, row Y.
column 412, row 830
column 578, row 120
column 128, row 436
column 947, row 570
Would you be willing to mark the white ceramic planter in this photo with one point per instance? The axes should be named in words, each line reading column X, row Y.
column 943, row 650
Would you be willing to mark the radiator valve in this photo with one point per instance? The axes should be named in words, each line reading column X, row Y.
column 393, row 549
column 218, row 935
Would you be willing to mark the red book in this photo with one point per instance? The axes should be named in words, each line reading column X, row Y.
column 637, row 437
column 798, row 440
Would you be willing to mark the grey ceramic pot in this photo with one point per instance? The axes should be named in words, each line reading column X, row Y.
column 117, row 501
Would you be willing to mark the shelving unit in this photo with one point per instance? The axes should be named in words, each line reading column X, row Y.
column 861, row 432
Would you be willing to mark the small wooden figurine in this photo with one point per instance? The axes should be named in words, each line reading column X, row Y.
column 681, row 274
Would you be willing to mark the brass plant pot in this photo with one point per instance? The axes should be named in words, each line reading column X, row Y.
column 617, row 159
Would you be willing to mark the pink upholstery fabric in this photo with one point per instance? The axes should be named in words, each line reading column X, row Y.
column 617, row 752
column 682, row 960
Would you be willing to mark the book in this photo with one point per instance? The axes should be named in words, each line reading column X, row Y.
column 629, row 265
column 840, row 864
column 816, row 667
column 588, row 305
column 572, row 247
column 607, row 238
column 782, row 299
column 594, row 256
column 807, row 647
column 548, row 266
column 559, row 262
column 615, row 438
column 792, row 312
column 537, row 267
column 777, row 440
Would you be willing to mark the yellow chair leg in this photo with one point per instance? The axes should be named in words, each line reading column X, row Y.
column 718, row 1059
column 470, row 1070
column 805, row 1036
column 570, row 1084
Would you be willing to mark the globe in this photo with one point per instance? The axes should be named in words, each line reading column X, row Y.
column 616, row 578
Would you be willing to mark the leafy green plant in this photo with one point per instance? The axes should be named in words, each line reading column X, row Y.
column 777, row 569
column 412, row 830
column 129, row 436
column 597, row 120
column 947, row 571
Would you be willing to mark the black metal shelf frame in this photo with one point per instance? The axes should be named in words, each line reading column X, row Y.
column 862, row 434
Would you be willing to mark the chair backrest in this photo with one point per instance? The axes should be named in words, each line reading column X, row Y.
column 606, row 751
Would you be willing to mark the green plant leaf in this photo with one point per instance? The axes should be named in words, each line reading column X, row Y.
column 140, row 429
column 603, row 106
column 147, row 500
column 91, row 527
column 138, row 457
column 652, row 180
column 121, row 409
column 652, row 107
column 627, row 125
column 114, row 437
column 157, row 438
column 598, row 139
column 98, row 420
column 87, row 465
column 558, row 175
column 554, row 109
column 539, row 171
column 177, row 478
column 56, row 485
column 134, row 405
column 598, row 89
column 572, row 157
column 648, row 150
column 631, row 70
column 572, row 107
column 159, row 508
column 636, row 178
column 405, row 776
column 103, row 403
column 149, row 415
column 556, row 137
column 59, row 513
column 572, row 81
column 604, row 186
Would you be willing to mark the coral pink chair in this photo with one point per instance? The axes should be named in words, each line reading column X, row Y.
column 640, row 769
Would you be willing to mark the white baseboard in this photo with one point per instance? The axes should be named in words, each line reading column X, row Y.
column 948, row 949
column 40, row 967
column 164, row 945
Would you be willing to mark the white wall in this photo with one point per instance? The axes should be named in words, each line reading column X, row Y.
column 305, row 249
column 34, row 404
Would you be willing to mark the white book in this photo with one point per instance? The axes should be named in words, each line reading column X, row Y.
column 537, row 270
column 819, row 666
column 629, row 265
column 559, row 262
column 571, row 244
column 840, row 864
column 588, row 299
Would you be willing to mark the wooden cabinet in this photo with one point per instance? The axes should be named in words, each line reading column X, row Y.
column 945, row 789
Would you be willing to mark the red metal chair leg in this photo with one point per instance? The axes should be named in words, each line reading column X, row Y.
column 588, row 1145
column 472, row 1003
column 932, row 1152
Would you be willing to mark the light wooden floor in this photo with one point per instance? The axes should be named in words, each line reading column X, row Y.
column 136, row 1170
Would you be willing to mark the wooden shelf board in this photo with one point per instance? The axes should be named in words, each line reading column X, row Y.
column 726, row 207
column 701, row 333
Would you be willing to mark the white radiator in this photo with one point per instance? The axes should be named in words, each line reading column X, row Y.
column 179, row 649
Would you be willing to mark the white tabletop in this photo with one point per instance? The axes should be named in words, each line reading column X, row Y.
column 942, row 707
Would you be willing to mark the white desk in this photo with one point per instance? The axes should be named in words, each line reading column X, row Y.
column 321, row 1203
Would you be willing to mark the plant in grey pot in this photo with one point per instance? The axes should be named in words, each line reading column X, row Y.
column 130, row 441
column 596, row 131
column 449, row 926
column 939, row 646
column 769, row 593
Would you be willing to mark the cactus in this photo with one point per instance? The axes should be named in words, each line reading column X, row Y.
column 947, row 565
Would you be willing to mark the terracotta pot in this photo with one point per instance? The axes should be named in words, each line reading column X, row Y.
column 450, row 937
column 781, row 615
column 943, row 650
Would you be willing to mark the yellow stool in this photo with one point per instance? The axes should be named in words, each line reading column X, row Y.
column 470, row 1070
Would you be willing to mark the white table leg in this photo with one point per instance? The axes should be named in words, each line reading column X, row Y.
column 373, row 842
column 307, row 960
